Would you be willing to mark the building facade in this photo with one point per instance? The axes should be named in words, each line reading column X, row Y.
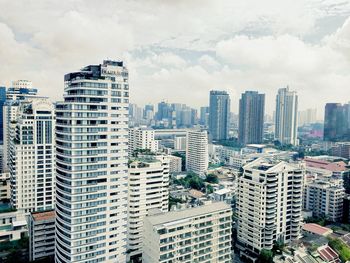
column 92, row 165
column 269, row 204
column 148, row 189
column 286, row 116
column 41, row 235
column 197, row 152
column 336, row 122
column 219, row 115
column 251, row 118
column 32, row 156
column 142, row 139
column 175, row 164
column 201, row 234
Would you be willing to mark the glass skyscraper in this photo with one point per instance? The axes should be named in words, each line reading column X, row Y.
column 219, row 115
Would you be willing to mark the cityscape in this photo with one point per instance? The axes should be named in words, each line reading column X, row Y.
column 103, row 167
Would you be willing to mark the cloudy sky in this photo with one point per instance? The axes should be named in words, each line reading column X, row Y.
column 178, row 50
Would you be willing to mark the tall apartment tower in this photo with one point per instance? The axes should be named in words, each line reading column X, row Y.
column 148, row 189
column 269, row 204
column 337, row 122
column 142, row 138
column 32, row 156
column 286, row 116
column 197, row 152
column 251, row 117
column 200, row 234
column 204, row 116
column 20, row 90
column 92, row 165
column 219, row 115
column 2, row 102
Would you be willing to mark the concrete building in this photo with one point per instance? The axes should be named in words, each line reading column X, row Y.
column 341, row 149
column 175, row 164
column 13, row 226
column 251, row 118
column 197, row 152
column 41, row 235
column 5, row 187
column 269, row 204
column 32, row 156
column 204, row 116
column 92, row 165
column 307, row 116
column 148, row 189
column 142, row 138
column 20, row 90
column 325, row 199
column 219, row 115
column 180, row 143
column 201, row 234
column 336, row 122
column 286, row 116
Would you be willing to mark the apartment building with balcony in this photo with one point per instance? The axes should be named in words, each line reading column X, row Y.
column 200, row 234
column 269, row 204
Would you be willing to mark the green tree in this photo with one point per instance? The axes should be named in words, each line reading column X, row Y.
column 266, row 256
column 212, row 178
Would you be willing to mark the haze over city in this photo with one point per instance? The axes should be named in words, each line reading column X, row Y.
column 179, row 50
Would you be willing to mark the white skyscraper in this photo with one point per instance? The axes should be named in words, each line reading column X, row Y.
column 32, row 156
column 20, row 90
column 142, row 139
column 197, row 152
column 286, row 116
column 269, row 204
column 92, row 165
column 148, row 189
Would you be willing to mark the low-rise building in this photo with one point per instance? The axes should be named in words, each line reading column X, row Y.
column 201, row 234
column 13, row 226
column 175, row 164
column 41, row 235
column 5, row 187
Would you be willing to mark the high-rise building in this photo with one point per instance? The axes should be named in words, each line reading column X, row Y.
column 200, row 234
column 32, row 156
column 204, row 116
column 251, row 117
column 197, row 152
column 325, row 199
column 148, row 112
column 269, row 204
column 20, row 90
column 337, row 122
column 2, row 102
column 180, row 143
column 219, row 115
column 41, row 235
column 148, row 189
column 175, row 164
column 142, row 139
column 286, row 116
column 307, row 116
column 92, row 165
column 135, row 115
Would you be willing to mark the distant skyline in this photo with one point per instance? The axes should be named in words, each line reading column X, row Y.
column 180, row 50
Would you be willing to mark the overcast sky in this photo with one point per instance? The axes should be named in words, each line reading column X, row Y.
column 178, row 50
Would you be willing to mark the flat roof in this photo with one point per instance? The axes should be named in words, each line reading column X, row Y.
column 172, row 216
column 41, row 216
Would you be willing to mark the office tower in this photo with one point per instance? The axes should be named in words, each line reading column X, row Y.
column 269, row 204
column 92, row 165
column 142, row 139
column 194, row 117
column 341, row 149
column 201, row 234
column 204, row 116
column 164, row 111
column 307, row 116
column 135, row 115
column 197, row 152
column 148, row 189
column 32, row 156
column 148, row 112
column 186, row 117
column 337, row 122
column 41, row 235
column 325, row 199
column 20, row 90
column 219, row 115
column 251, row 118
column 286, row 116
column 2, row 102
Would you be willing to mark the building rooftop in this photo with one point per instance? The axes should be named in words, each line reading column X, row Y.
column 41, row 216
column 317, row 229
column 173, row 216
column 195, row 193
